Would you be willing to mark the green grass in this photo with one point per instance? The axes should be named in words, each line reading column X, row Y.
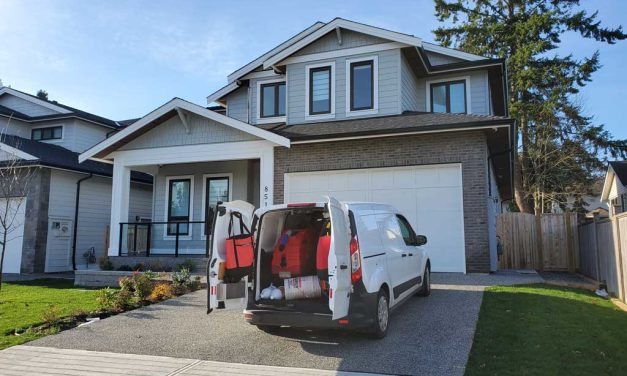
column 548, row 330
column 23, row 304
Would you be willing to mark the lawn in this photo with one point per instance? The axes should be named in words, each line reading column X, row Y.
column 24, row 304
column 542, row 330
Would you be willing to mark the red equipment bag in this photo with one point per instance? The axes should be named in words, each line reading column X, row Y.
column 293, row 253
column 322, row 255
column 239, row 251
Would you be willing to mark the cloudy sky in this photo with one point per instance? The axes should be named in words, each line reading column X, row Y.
column 122, row 59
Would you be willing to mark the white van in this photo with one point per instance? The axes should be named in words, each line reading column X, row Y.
column 375, row 262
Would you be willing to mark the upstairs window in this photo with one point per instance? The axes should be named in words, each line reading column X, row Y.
column 49, row 133
column 362, row 85
column 449, row 97
column 272, row 99
column 320, row 95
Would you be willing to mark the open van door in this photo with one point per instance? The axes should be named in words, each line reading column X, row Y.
column 339, row 259
column 219, row 234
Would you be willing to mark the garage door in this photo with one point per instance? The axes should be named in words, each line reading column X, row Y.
column 15, row 236
column 429, row 196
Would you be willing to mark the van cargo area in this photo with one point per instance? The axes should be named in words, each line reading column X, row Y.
column 287, row 249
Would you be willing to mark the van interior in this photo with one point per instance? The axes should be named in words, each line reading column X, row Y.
column 310, row 223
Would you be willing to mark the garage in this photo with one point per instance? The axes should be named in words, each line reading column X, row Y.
column 15, row 236
column 429, row 196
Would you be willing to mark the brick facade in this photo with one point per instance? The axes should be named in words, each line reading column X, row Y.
column 468, row 148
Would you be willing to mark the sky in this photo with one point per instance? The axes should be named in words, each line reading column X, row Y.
column 122, row 59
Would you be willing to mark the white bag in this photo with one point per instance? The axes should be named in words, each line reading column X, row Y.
column 267, row 292
column 276, row 294
column 302, row 288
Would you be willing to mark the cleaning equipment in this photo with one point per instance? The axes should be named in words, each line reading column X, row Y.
column 302, row 288
column 293, row 253
column 239, row 250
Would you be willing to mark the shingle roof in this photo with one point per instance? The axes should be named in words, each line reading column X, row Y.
column 56, row 156
column 620, row 169
column 406, row 122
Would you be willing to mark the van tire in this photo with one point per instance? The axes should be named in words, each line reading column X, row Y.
column 425, row 290
column 270, row 329
column 381, row 316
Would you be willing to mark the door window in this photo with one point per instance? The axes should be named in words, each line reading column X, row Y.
column 179, row 205
column 216, row 189
column 409, row 237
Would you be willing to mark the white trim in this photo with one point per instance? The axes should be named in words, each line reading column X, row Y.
column 399, row 134
column 375, row 86
column 451, row 52
column 193, row 108
column 37, row 101
column 448, row 79
column 228, row 175
column 308, row 68
column 273, row 119
column 17, row 152
column 167, row 204
column 263, row 74
column 342, row 52
column 214, row 97
column 345, row 24
column 52, row 140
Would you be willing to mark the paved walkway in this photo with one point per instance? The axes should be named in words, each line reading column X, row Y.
column 43, row 361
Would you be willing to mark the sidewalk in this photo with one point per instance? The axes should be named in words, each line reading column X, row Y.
column 32, row 360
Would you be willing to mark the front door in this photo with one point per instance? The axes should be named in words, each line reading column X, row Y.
column 217, row 188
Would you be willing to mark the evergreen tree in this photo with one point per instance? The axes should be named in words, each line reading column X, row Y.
column 42, row 94
column 561, row 150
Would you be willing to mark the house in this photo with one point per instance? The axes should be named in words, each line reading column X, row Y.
column 614, row 193
column 68, row 204
column 343, row 109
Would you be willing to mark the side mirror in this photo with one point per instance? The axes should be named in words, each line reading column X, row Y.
column 421, row 240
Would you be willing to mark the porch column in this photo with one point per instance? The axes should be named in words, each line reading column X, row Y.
column 266, row 177
column 120, row 190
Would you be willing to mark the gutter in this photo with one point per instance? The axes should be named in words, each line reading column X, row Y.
column 77, row 202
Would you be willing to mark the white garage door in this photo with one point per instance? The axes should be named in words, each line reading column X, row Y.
column 429, row 196
column 15, row 236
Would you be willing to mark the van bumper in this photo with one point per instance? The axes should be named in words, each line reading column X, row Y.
column 361, row 314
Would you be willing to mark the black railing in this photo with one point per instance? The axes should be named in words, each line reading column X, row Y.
column 164, row 238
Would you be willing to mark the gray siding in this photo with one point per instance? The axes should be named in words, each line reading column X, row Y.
column 202, row 131
column 237, row 104
column 439, row 59
column 329, row 42
column 389, row 93
column 15, row 127
column 409, row 87
column 254, row 94
column 80, row 135
column 479, row 91
column 24, row 106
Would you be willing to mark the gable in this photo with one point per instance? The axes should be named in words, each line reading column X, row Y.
column 349, row 38
column 440, row 59
column 172, row 132
column 25, row 106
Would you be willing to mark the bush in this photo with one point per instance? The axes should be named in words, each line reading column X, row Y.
column 156, row 266
column 125, row 268
column 139, row 267
column 181, row 281
column 52, row 314
column 123, row 300
column 187, row 264
column 162, row 291
column 195, row 284
column 126, row 284
column 106, row 298
column 105, row 263
column 142, row 285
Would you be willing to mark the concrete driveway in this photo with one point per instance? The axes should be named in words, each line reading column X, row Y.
column 426, row 335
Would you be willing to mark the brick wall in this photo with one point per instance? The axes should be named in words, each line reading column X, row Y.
column 468, row 148
column 36, row 223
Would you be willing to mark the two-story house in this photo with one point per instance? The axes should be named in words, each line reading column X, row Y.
column 65, row 210
column 342, row 109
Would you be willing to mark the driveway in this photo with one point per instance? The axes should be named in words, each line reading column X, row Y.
column 426, row 335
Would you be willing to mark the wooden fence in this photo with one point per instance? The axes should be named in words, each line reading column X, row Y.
column 603, row 253
column 545, row 242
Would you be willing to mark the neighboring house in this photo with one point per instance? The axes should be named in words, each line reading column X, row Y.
column 614, row 190
column 342, row 109
column 49, row 136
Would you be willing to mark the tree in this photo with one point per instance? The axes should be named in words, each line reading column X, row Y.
column 15, row 183
column 42, row 94
column 561, row 150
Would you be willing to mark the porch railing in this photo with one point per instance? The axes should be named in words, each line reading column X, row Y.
column 164, row 238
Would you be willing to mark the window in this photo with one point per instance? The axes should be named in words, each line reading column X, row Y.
column 406, row 231
column 49, row 133
column 449, row 97
column 272, row 99
column 217, row 188
column 320, row 90
column 362, row 85
column 179, row 205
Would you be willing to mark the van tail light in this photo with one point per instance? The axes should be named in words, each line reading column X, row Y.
column 355, row 260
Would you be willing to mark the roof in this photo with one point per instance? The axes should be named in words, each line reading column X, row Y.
column 59, row 157
column 615, row 168
column 64, row 110
column 385, row 125
column 620, row 169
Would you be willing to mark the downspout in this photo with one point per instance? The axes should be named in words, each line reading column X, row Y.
column 78, row 197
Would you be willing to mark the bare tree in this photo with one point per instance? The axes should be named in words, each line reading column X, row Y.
column 16, row 176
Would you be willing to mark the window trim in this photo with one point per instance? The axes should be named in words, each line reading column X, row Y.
column 270, row 119
column 189, row 234
column 375, row 86
column 49, row 127
column 227, row 175
column 428, row 84
column 308, row 88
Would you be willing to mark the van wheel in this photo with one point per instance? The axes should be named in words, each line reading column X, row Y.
column 381, row 315
column 425, row 290
column 270, row 329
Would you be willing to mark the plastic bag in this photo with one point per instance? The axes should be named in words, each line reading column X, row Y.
column 277, row 294
column 267, row 292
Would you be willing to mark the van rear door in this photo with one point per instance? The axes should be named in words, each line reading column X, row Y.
column 219, row 234
column 339, row 260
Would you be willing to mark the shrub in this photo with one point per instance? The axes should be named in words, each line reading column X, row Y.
column 126, row 284
column 195, row 283
column 150, row 274
column 181, row 281
column 106, row 298
column 139, row 267
column 125, row 268
column 142, row 285
column 105, row 263
column 52, row 314
column 187, row 264
column 156, row 266
column 123, row 300
column 162, row 291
